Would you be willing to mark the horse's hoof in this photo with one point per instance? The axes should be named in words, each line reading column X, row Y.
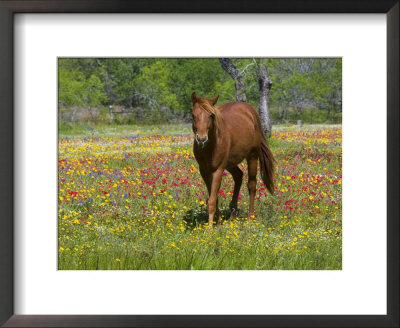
column 234, row 212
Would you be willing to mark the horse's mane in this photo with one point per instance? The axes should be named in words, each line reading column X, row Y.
column 213, row 110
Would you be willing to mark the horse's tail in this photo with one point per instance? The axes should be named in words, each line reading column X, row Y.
column 267, row 166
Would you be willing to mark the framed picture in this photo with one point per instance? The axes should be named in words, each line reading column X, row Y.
column 46, row 282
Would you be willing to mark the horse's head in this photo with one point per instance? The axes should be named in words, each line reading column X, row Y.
column 206, row 118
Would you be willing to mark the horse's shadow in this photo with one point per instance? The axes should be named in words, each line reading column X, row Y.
column 199, row 216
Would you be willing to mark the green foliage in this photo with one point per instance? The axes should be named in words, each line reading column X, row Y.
column 75, row 89
column 71, row 88
column 156, row 90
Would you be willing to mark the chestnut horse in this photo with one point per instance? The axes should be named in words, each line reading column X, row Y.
column 223, row 137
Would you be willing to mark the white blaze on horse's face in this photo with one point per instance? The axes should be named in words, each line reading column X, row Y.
column 202, row 123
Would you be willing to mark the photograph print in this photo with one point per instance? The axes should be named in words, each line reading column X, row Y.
column 199, row 163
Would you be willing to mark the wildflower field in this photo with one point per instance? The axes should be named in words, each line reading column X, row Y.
column 132, row 198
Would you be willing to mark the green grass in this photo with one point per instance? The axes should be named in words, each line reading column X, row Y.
column 79, row 130
column 132, row 198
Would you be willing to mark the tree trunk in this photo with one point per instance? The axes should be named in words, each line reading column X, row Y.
column 329, row 112
column 111, row 114
column 264, row 84
column 74, row 109
column 227, row 65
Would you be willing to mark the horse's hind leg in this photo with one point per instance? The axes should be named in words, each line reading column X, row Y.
column 252, row 163
column 237, row 175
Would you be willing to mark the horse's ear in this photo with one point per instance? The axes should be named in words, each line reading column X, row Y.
column 193, row 97
column 213, row 101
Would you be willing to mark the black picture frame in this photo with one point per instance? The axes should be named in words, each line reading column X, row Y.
column 10, row 7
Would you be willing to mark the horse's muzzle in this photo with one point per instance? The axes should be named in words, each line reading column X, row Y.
column 201, row 141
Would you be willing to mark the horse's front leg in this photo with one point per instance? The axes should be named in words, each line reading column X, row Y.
column 212, row 205
column 207, row 179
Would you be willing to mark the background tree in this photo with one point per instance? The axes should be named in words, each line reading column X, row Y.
column 264, row 85
column 77, row 90
column 227, row 65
